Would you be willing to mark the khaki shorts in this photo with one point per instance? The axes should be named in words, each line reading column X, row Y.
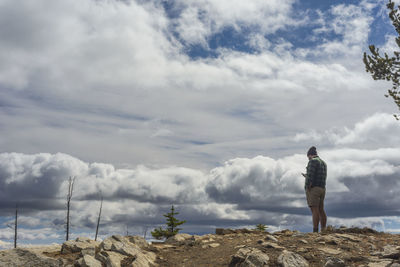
column 315, row 196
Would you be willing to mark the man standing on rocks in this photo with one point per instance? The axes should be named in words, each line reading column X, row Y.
column 315, row 188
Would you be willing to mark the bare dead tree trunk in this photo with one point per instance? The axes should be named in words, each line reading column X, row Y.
column 145, row 231
column 71, row 182
column 16, row 226
column 98, row 219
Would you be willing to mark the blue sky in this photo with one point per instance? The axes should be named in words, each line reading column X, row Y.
column 299, row 36
column 209, row 105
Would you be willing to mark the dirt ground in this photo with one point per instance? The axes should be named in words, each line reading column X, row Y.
column 355, row 247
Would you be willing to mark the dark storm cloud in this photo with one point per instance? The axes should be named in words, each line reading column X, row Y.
column 369, row 195
column 243, row 191
column 32, row 181
column 356, row 185
column 274, row 206
column 360, row 184
column 144, row 196
column 42, row 178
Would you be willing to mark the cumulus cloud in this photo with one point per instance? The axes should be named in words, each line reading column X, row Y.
column 378, row 130
column 259, row 180
column 31, row 173
column 355, row 175
column 25, row 176
column 198, row 20
column 361, row 183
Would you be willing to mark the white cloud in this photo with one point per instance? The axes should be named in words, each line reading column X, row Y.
column 352, row 22
column 30, row 172
column 378, row 130
column 191, row 28
column 199, row 20
column 229, row 193
column 29, row 234
column 349, row 24
column 121, row 83
column 100, row 32
column 370, row 222
column 259, row 42
column 260, row 179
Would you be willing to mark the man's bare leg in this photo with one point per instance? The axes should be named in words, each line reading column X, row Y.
column 315, row 218
column 322, row 218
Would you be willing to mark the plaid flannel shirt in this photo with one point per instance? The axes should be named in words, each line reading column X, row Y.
column 316, row 173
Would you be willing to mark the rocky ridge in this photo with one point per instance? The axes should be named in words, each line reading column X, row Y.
column 114, row 251
column 234, row 248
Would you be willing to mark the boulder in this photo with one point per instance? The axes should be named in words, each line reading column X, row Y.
column 143, row 260
column 330, row 250
column 330, row 240
column 139, row 241
column 385, row 263
column 115, row 259
column 291, row 259
column 117, row 249
column 211, row 245
column 285, row 232
column 349, row 237
column 79, row 244
column 390, row 252
column 335, row 262
column 249, row 257
column 272, row 245
column 88, row 251
column 271, row 238
column 110, row 258
column 177, row 238
column 89, row 261
column 357, row 230
column 27, row 258
column 197, row 237
column 120, row 244
column 222, row 231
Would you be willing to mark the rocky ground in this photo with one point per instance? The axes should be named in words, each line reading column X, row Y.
column 333, row 248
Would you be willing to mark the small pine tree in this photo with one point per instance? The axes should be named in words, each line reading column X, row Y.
column 261, row 227
column 158, row 233
column 173, row 222
column 172, row 226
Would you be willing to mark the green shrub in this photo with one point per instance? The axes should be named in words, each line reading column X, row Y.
column 261, row 227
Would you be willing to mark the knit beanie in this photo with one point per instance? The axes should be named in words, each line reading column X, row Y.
column 312, row 151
